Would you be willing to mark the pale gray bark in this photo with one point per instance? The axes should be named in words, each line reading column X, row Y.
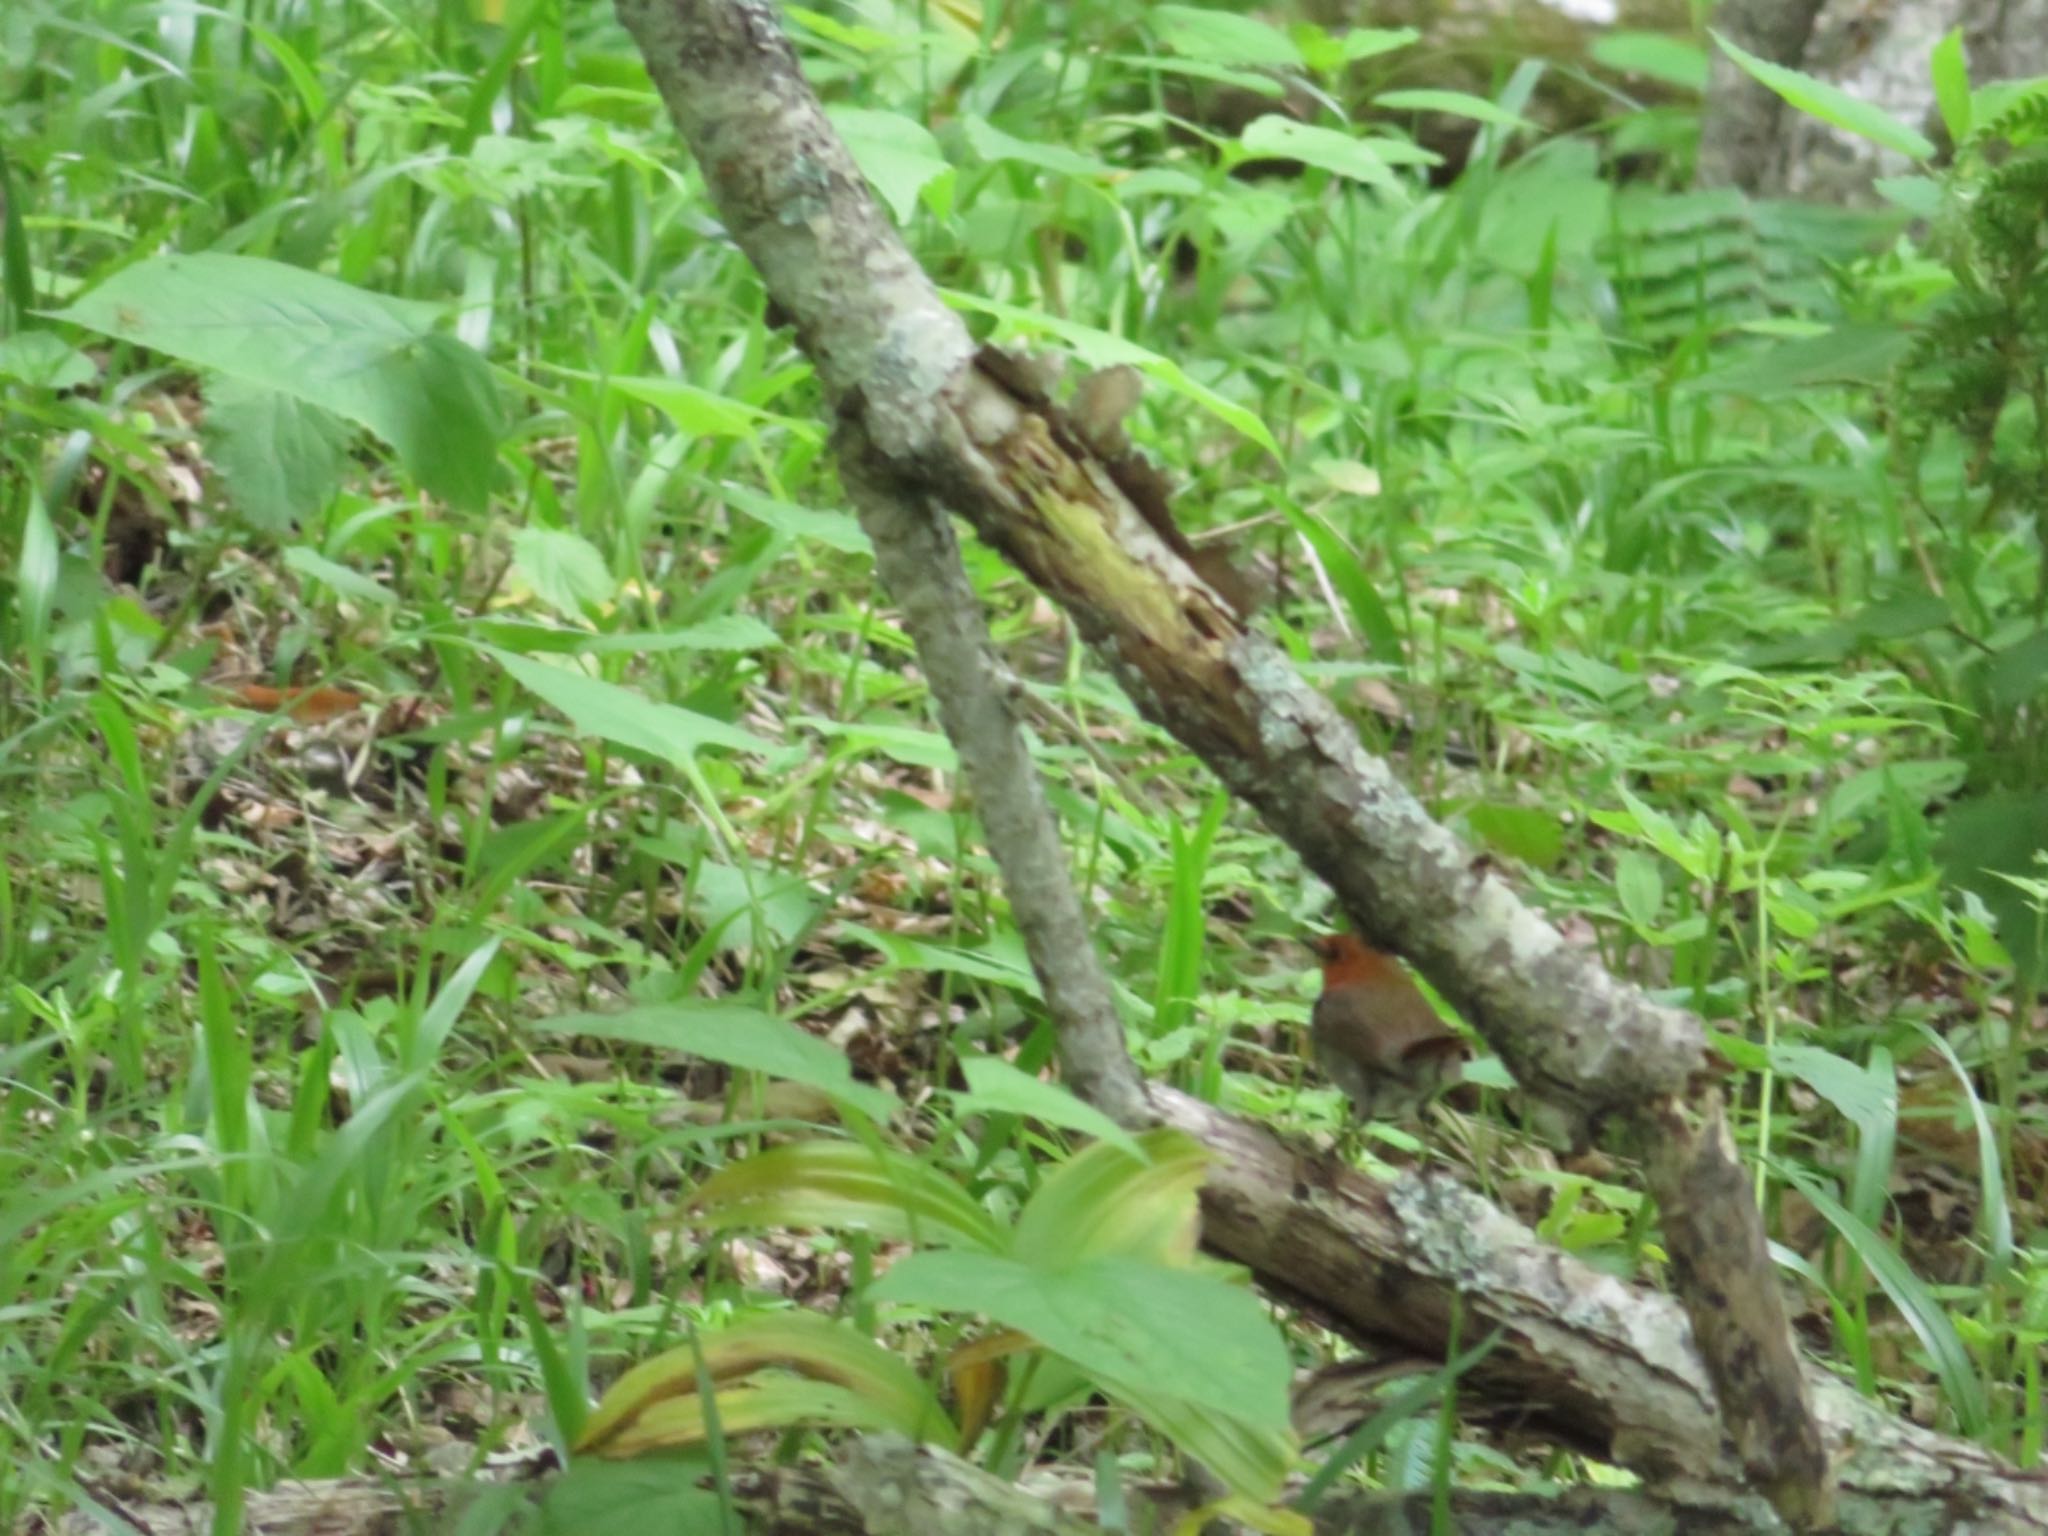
column 1742, row 135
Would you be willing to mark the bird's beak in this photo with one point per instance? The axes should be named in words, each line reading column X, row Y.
column 1323, row 946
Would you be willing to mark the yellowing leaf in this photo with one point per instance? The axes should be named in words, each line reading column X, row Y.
column 657, row 1404
column 842, row 1184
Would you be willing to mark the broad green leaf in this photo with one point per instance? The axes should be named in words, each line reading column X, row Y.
column 914, row 954
column 1222, row 37
column 1662, row 833
column 1371, row 161
column 1639, row 886
column 372, row 360
column 1106, row 1202
column 1951, row 72
column 563, row 569
column 1252, row 1459
column 991, row 143
column 1371, row 42
column 698, row 411
column 726, row 632
column 280, row 455
column 836, row 530
column 44, row 360
column 1653, row 55
column 897, row 154
column 738, row 1036
column 659, row 1497
column 621, row 716
column 1525, row 832
column 1179, row 1333
column 1249, row 81
column 1853, row 354
column 1858, row 1095
column 996, row 1087
column 803, row 1344
column 1831, row 104
column 725, row 897
column 772, row 1400
column 844, row 1185
column 1452, row 103
column 2018, row 672
column 341, row 580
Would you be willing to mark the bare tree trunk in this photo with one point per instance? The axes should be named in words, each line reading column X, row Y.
column 1742, row 139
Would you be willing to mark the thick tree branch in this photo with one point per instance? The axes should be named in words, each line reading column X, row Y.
column 930, row 428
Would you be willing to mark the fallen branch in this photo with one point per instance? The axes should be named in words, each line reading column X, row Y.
column 923, row 426
column 881, row 1485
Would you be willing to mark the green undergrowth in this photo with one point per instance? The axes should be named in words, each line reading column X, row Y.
column 405, row 677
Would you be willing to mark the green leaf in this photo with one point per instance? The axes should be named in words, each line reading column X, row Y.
column 1351, row 582
column 836, row 530
column 906, row 952
column 594, row 707
column 845, row 1185
column 738, row 1036
column 820, row 1351
column 1922, row 1310
column 897, row 154
column 1371, row 42
column 992, row 144
column 1852, row 354
column 2015, row 674
column 280, row 455
column 341, row 580
column 646, row 1498
column 1525, row 832
column 1175, row 1332
column 1831, row 104
column 369, row 359
column 1639, row 886
column 996, row 1087
column 1951, row 72
column 44, row 360
column 1108, row 1202
column 1655, row 56
column 910, row 745
column 1370, row 161
column 1453, row 103
column 1859, row 1096
column 564, row 569
column 699, row 412
column 35, row 579
column 1103, row 349
column 1222, row 37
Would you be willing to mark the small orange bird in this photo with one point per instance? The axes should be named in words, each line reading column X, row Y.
column 1375, row 1034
